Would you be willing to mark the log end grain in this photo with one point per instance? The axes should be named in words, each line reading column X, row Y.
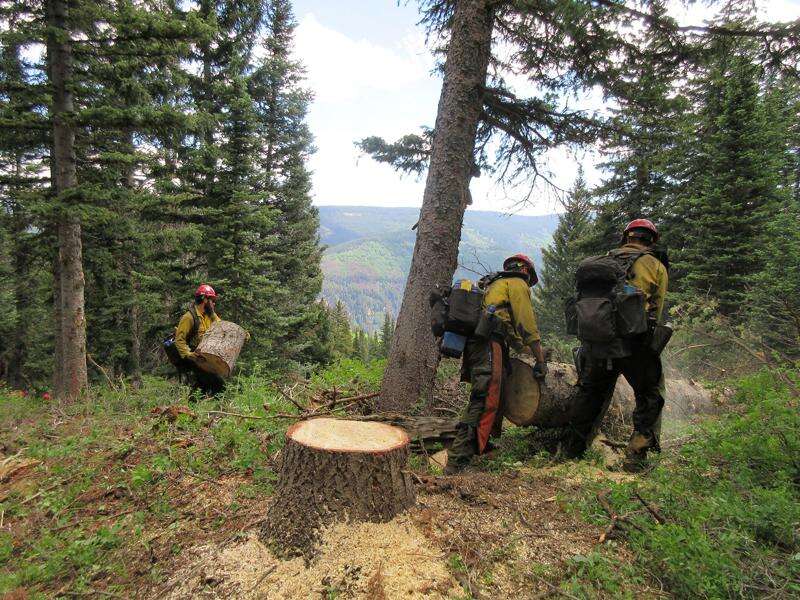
column 338, row 435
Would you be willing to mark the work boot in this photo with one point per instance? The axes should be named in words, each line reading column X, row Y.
column 636, row 452
column 573, row 444
column 456, row 464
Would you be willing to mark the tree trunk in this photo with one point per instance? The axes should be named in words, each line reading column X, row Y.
column 136, row 336
column 413, row 358
column 22, row 288
column 58, row 337
column 220, row 347
column 73, row 321
column 336, row 470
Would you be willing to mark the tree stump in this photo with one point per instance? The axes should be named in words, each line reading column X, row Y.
column 336, row 470
column 220, row 347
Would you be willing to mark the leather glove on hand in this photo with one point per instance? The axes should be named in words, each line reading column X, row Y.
column 540, row 370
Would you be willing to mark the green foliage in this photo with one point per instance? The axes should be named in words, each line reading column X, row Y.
column 773, row 297
column 184, row 175
column 560, row 260
column 739, row 189
column 731, row 502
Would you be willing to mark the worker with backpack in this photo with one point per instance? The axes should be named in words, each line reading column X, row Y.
column 617, row 316
column 180, row 347
column 489, row 320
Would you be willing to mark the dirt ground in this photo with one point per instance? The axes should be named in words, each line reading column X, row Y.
column 480, row 535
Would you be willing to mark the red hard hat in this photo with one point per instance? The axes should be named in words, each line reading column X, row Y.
column 205, row 290
column 520, row 257
column 534, row 278
column 643, row 224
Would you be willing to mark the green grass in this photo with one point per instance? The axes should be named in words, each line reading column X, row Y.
column 730, row 499
column 106, row 510
column 111, row 474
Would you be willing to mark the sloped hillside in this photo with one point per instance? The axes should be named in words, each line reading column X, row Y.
column 369, row 252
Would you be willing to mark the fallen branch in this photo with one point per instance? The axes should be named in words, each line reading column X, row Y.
column 616, row 519
column 613, row 444
column 103, row 371
column 262, row 578
column 651, row 509
column 289, row 397
column 233, row 414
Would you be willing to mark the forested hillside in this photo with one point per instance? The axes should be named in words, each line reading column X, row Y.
column 145, row 148
column 368, row 252
column 149, row 146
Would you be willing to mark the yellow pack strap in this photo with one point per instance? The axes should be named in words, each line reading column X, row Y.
column 465, row 284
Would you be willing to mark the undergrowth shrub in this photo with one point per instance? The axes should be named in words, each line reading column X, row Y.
column 731, row 500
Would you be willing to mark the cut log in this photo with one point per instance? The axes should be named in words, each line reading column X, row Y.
column 220, row 347
column 336, row 470
column 528, row 402
column 551, row 406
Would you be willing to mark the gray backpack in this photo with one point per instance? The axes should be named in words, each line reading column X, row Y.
column 607, row 313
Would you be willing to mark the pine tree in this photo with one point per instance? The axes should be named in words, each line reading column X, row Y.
column 561, row 259
column 280, row 107
column 385, row 339
column 773, row 297
column 24, row 145
column 340, row 332
column 738, row 188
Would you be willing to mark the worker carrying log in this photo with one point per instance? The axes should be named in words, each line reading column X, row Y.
column 485, row 323
column 617, row 316
column 189, row 333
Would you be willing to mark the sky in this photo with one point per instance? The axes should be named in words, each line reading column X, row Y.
column 370, row 71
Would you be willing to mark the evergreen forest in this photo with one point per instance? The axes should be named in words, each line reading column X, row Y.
column 149, row 146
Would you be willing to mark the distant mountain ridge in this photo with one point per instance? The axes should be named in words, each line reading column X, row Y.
column 369, row 252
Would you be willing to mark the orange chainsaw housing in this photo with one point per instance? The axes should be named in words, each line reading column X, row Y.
column 490, row 413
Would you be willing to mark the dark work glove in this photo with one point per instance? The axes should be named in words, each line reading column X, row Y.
column 540, row 370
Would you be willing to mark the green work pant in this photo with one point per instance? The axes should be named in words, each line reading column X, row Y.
column 207, row 383
column 477, row 369
column 643, row 372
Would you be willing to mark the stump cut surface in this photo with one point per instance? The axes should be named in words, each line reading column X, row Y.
column 337, row 435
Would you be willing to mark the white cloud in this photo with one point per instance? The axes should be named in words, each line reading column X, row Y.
column 340, row 68
column 366, row 88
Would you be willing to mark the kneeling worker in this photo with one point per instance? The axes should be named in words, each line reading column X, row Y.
column 508, row 292
column 188, row 334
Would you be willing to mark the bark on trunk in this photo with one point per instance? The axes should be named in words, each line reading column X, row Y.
column 413, row 358
column 336, row 470
column 220, row 347
column 22, row 291
column 551, row 405
column 73, row 322
column 136, row 337
column 58, row 338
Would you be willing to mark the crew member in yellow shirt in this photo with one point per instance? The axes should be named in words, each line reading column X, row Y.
column 642, row 366
column 188, row 334
column 507, row 297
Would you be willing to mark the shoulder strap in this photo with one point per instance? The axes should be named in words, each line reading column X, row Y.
column 628, row 257
column 489, row 279
column 195, row 321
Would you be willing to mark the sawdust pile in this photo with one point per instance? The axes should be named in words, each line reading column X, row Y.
column 363, row 560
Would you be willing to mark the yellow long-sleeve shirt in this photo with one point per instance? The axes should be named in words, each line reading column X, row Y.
column 185, row 341
column 649, row 275
column 512, row 298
